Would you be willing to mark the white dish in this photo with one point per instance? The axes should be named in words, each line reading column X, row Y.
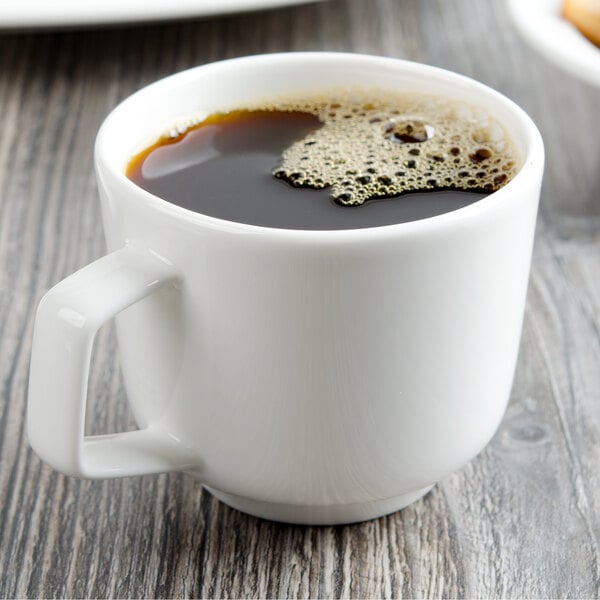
column 25, row 14
column 541, row 24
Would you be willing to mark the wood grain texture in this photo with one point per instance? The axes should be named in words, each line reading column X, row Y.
column 521, row 520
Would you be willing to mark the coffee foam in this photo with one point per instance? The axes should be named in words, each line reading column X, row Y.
column 374, row 145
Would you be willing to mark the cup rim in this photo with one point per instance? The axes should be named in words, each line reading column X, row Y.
column 532, row 160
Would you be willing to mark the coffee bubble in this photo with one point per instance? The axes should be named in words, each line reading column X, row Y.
column 375, row 145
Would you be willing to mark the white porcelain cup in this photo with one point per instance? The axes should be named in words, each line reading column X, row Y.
column 314, row 377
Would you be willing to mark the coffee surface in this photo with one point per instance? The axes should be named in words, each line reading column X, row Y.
column 334, row 163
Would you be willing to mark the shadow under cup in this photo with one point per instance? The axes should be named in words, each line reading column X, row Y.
column 314, row 377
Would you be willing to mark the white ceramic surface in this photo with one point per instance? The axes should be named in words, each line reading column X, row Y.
column 24, row 14
column 541, row 24
column 305, row 376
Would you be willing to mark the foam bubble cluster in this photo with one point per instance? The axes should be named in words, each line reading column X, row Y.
column 371, row 148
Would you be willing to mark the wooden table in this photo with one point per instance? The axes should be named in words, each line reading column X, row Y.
column 521, row 520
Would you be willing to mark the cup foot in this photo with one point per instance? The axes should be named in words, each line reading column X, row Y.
column 335, row 514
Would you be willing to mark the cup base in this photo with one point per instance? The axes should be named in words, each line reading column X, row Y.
column 335, row 514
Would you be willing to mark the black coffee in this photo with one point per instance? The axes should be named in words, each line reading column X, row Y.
column 327, row 165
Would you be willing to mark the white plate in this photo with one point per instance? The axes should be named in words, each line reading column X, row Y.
column 24, row 14
column 541, row 24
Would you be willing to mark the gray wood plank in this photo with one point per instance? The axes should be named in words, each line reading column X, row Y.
column 521, row 520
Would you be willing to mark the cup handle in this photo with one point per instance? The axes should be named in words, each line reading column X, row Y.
column 67, row 320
